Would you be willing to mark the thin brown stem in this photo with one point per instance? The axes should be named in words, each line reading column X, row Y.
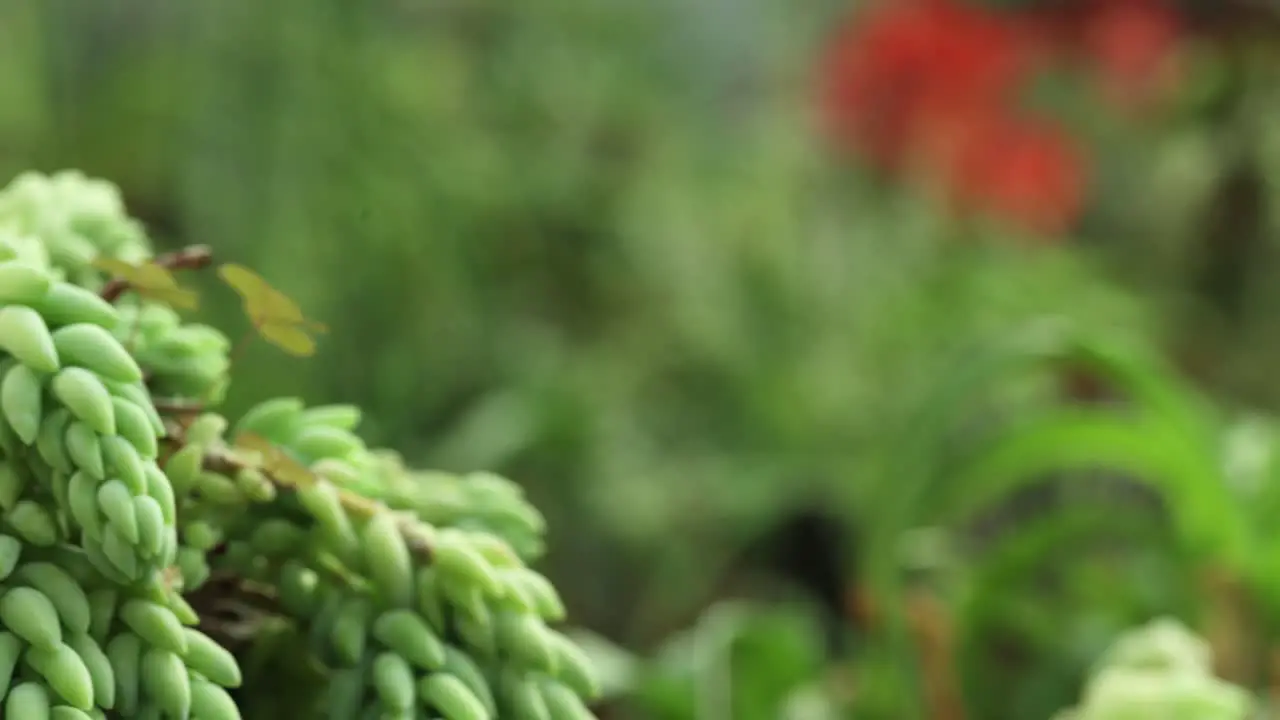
column 195, row 257
column 238, row 349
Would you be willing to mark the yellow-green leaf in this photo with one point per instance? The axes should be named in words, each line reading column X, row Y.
column 291, row 339
column 274, row 460
column 277, row 318
column 151, row 281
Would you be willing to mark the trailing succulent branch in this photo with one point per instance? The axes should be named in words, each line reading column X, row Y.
column 130, row 511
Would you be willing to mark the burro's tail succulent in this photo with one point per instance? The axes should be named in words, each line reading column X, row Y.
column 384, row 591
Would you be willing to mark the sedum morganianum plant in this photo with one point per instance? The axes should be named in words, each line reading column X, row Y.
column 126, row 502
column 1160, row 670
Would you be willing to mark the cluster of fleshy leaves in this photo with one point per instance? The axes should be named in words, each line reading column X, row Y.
column 286, row 472
column 1160, row 670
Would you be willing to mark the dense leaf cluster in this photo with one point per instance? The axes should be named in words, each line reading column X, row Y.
column 134, row 515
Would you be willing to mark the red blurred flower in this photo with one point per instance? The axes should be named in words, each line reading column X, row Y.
column 904, row 70
column 1132, row 43
column 1129, row 45
column 931, row 85
column 1024, row 171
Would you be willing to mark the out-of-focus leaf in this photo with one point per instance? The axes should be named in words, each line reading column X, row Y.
column 275, row 316
column 1038, row 589
column 1091, row 439
column 292, row 340
column 274, row 460
column 739, row 661
column 151, row 281
column 615, row 667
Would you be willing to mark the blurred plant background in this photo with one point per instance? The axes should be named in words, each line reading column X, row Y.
column 877, row 359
